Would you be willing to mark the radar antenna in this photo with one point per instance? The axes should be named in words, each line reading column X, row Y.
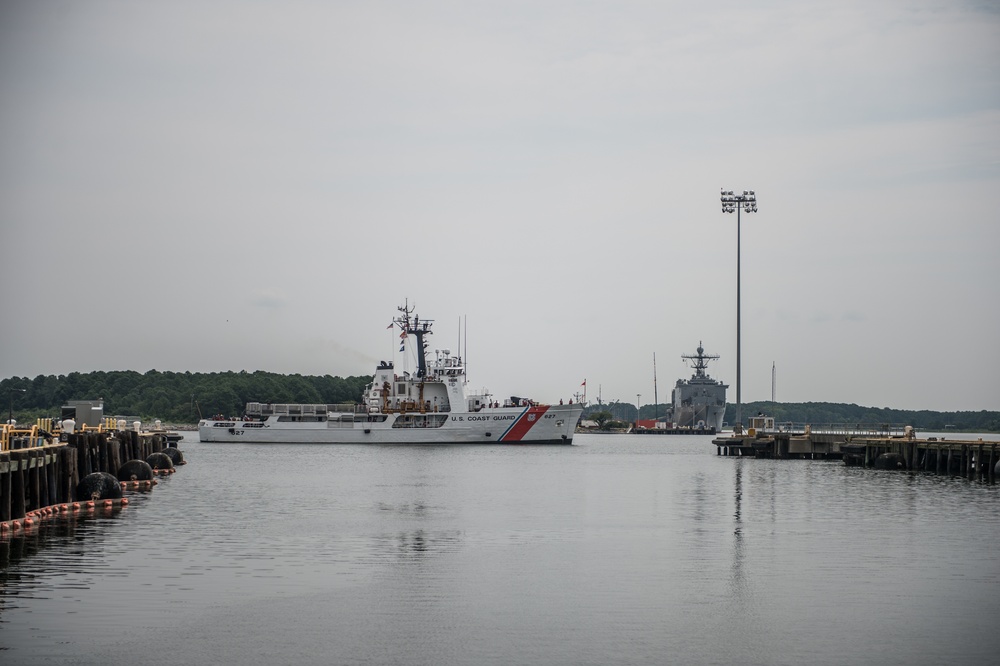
column 700, row 362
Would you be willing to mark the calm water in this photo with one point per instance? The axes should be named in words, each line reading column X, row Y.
column 620, row 549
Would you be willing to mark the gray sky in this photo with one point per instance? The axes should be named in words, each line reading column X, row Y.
column 235, row 185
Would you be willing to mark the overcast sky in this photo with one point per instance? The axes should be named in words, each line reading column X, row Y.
column 212, row 186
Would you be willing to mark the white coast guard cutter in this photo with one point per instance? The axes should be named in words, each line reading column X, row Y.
column 428, row 407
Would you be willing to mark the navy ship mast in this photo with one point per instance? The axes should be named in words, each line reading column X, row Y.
column 700, row 362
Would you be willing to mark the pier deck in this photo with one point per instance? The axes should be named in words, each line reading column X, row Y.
column 972, row 459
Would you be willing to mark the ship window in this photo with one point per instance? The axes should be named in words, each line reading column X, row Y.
column 401, row 389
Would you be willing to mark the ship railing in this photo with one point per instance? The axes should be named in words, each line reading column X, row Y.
column 258, row 409
column 854, row 429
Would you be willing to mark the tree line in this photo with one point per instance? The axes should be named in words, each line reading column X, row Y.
column 172, row 397
column 838, row 413
column 824, row 413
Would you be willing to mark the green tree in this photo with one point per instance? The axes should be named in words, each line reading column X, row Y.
column 603, row 419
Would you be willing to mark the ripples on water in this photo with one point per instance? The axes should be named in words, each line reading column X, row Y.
column 616, row 550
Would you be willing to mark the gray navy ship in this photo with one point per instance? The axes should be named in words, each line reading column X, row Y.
column 699, row 402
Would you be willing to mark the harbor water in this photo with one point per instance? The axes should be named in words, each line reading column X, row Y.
column 616, row 550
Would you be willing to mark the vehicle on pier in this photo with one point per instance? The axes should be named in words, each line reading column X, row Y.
column 429, row 406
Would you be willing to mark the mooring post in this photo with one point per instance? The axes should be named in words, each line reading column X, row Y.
column 53, row 470
column 102, row 453
column 17, row 488
column 43, row 479
column 991, row 472
column 73, row 478
column 5, row 480
column 32, row 480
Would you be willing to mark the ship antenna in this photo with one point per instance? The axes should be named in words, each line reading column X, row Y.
column 773, row 371
column 656, row 400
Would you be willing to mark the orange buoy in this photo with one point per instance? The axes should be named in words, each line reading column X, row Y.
column 108, row 503
column 90, row 505
column 76, row 506
column 124, row 501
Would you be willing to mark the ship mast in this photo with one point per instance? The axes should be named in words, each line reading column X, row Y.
column 700, row 360
column 418, row 329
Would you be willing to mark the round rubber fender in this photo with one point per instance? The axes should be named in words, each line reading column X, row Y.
column 160, row 461
column 889, row 461
column 135, row 470
column 175, row 455
column 99, row 485
column 852, row 460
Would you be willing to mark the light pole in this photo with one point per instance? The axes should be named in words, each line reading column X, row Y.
column 10, row 412
column 730, row 203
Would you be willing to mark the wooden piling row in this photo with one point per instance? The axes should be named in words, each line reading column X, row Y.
column 43, row 476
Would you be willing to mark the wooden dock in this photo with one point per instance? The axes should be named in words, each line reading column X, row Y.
column 976, row 460
column 36, row 473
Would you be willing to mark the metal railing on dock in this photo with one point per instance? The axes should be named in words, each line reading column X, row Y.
column 851, row 429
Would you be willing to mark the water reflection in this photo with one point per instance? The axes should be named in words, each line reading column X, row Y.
column 416, row 544
column 55, row 532
column 33, row 561
column 417, row 509
column 739, row 547
column 614, row 550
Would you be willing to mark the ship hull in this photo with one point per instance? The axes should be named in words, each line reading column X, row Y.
column 539, row 424
column 700, row 416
